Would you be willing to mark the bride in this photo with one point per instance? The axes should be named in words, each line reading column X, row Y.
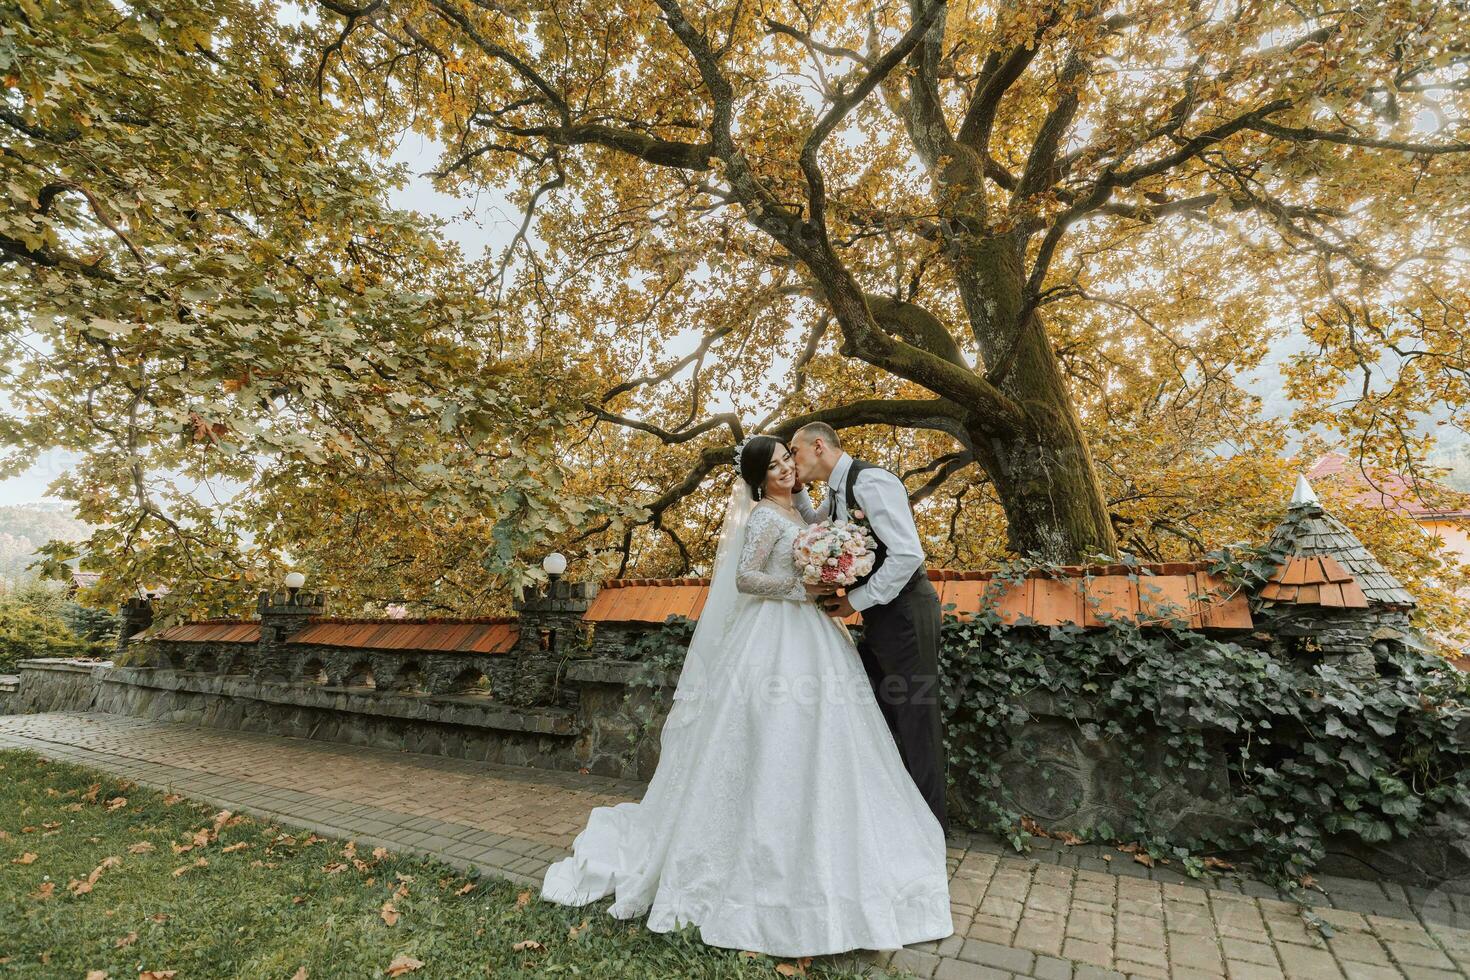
column 780, row 818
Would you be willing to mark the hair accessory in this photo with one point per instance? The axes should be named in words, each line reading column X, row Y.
column 740, row 449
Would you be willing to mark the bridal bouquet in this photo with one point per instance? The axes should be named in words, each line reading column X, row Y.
column 834, row 553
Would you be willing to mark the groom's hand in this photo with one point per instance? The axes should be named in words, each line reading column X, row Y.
column 838, row 607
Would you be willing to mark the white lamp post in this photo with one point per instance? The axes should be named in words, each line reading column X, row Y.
column 294, row 581
column 554, row 565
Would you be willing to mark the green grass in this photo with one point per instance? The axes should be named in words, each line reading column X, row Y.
column 282, row 901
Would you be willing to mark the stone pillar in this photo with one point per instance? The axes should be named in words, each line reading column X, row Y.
column 282, row 615
column 551, row 623
column 133, row 617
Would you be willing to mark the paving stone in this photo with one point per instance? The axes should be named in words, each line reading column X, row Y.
column 1369, row 971
column 1196, row 953
column 1246, row 970
column 960, row 970
column 1413, row 955
column 1361, row 947
column 1041, row 933
column 918, row 963
column 1307, row 963
column 1098, row 954
column 1089, row 972
column 997, row 955
column 1249, row 951
column 1051, row 968
column 1147, row 955
column 1146, row 970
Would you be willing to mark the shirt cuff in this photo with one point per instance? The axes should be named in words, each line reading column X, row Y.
column 859, row 599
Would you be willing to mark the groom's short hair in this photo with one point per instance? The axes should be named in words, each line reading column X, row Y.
column 819, row 430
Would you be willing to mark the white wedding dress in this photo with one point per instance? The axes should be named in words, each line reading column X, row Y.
column 780, row 818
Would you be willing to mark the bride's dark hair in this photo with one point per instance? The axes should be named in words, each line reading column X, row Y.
column 755, row 459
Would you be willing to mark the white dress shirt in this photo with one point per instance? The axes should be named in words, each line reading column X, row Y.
column 885, row 504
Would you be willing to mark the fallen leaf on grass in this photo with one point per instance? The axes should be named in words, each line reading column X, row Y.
column 158, row 974
column 159, row 917
column 80, row 888
column 297, row 899
column 47, row 890
column 300, row 974
column 235, row 847
column 379, row 853
column 142, row 847
column 389, row 913
column 222, row 818
column 126, row 941
column 172, row 798
column 749, row 954
column 334, row 867
column 4, row 835
column 198, row 863
column 403, row 963
column 51, row 824
column 117, row 803
column 526, row 944
column 202, row 837
column 1219, row 864
column 90, row 796
column 26, row 858
column 96, row 975
column 471, row 887
column 576, row 931
column 523, row 898
column 361, row 865
column 73, row 808
column 796, row 969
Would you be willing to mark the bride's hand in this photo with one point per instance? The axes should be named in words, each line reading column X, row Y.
column 821, row 591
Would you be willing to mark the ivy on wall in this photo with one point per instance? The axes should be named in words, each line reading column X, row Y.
column 1308, row 752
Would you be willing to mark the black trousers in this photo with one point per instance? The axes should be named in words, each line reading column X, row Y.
column 900, row 652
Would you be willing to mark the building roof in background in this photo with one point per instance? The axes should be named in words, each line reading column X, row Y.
column 1419, row 499
column 1087, row 596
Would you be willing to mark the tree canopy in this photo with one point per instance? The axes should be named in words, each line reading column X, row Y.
column 1022, row 254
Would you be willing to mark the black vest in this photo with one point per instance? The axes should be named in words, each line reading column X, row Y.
column 880, row 553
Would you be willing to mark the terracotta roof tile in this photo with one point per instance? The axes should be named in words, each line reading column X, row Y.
column 466, row 635
column 210, row 631
column 1090, row 595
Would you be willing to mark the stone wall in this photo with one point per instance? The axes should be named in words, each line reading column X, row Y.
column 55, row 684
column 464, row 726
column 1060, row 772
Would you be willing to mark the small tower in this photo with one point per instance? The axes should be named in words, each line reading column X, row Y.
column 133, row 617
column 282, row 614
column 1330, row 601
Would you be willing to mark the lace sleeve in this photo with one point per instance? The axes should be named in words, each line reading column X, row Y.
column 761, row 536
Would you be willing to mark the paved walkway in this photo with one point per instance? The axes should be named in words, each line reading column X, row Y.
column 1056, row 914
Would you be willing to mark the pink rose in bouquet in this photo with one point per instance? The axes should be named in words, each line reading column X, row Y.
column 834, row 553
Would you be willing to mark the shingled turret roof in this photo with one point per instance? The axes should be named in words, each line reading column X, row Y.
column 1310, row 532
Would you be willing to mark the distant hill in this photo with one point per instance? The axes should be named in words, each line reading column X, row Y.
column 25, row 527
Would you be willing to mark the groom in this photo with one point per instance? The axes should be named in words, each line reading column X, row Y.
column 900, row 646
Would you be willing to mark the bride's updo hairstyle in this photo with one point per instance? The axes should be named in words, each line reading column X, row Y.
column 754, row 461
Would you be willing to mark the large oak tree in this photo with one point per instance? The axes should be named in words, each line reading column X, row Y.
column 949, row 191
